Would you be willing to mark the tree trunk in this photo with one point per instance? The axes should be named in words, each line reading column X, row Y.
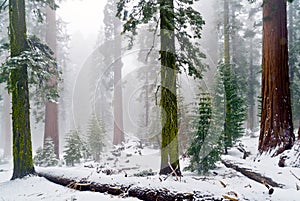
column 7, row 126
column 22, row 148
column 251, row 174
column 276, row 129
column 118, row 96
column 51, row 110
column 251, row 95
column 168, row 102
column 142, row 193
column 227, row 135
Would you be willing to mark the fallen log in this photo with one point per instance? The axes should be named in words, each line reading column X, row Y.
column 252, row 175
column 142, row 193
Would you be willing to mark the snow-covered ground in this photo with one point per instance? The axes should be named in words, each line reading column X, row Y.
column 133, row 160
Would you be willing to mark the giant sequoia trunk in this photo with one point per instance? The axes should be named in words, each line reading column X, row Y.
column 51, row 111
column 168, row 102
column 22, row 148
column 276, row 118
column 118, row 95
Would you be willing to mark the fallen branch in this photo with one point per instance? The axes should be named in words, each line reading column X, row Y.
column 252, row 175
column 295, row 175
column 147, row 194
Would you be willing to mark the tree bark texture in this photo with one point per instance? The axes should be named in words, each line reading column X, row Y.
column 22, row 148
column 7, row 126
column 118, row 94
column 51, row 110
column 168, row 102
column 276, row 129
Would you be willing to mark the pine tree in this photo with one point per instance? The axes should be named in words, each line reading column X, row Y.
column 234, row 108
column 73, row 148
column 46, row 157
column 205, row 144
column 22, row 147
column 176, row 26
column 96, row 132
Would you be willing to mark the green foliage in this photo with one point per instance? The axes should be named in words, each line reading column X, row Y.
column 73, row 148
column 188, row 26
column 46, row 157
column 205, row 144
column 40, row 66
column 294, row 58
column 234, row 107
column 96, row 133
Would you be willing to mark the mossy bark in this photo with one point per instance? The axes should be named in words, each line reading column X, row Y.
column 168, row 102
column 276, row 129
column 22, row 148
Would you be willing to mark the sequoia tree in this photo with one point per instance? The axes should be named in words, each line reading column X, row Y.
column 276, row 129
column 22, row 148
column 180, row 24
column 51, row 110
column 113, row 39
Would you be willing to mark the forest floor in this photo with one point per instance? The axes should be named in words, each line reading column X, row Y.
column 135, row 166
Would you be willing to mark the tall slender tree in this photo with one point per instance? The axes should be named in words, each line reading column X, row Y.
column 113, row 27
column 22, row 148
column 51, row 108
column 276, row 129
column 174, row 25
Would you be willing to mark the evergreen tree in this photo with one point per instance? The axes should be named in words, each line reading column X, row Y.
column 46, row 157
column 294, row 59
column 205, row 145
column 73, row 148
column 276, row 128
column 96, row 132
column 22, row 148
column 180, row 24
column 113, row 27
column 234, row 108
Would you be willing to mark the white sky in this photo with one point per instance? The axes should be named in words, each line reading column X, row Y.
column 85, row 16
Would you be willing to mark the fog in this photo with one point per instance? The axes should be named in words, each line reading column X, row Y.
column 86, row 87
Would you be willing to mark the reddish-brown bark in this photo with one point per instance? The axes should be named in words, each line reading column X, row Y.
column 276, row 117
column 51, row 111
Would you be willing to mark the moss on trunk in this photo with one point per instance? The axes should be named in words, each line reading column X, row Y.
column 22, row 148
column 168, row 102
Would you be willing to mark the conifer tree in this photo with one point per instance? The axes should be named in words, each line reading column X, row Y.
column 205, row 144
column 96, row 132
column 22, row 148
column 73, row 148
column 234, row 108
column 276, row 128
column 46, row 157
column 175, row 21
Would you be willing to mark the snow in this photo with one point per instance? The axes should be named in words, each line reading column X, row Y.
column 134, row 159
